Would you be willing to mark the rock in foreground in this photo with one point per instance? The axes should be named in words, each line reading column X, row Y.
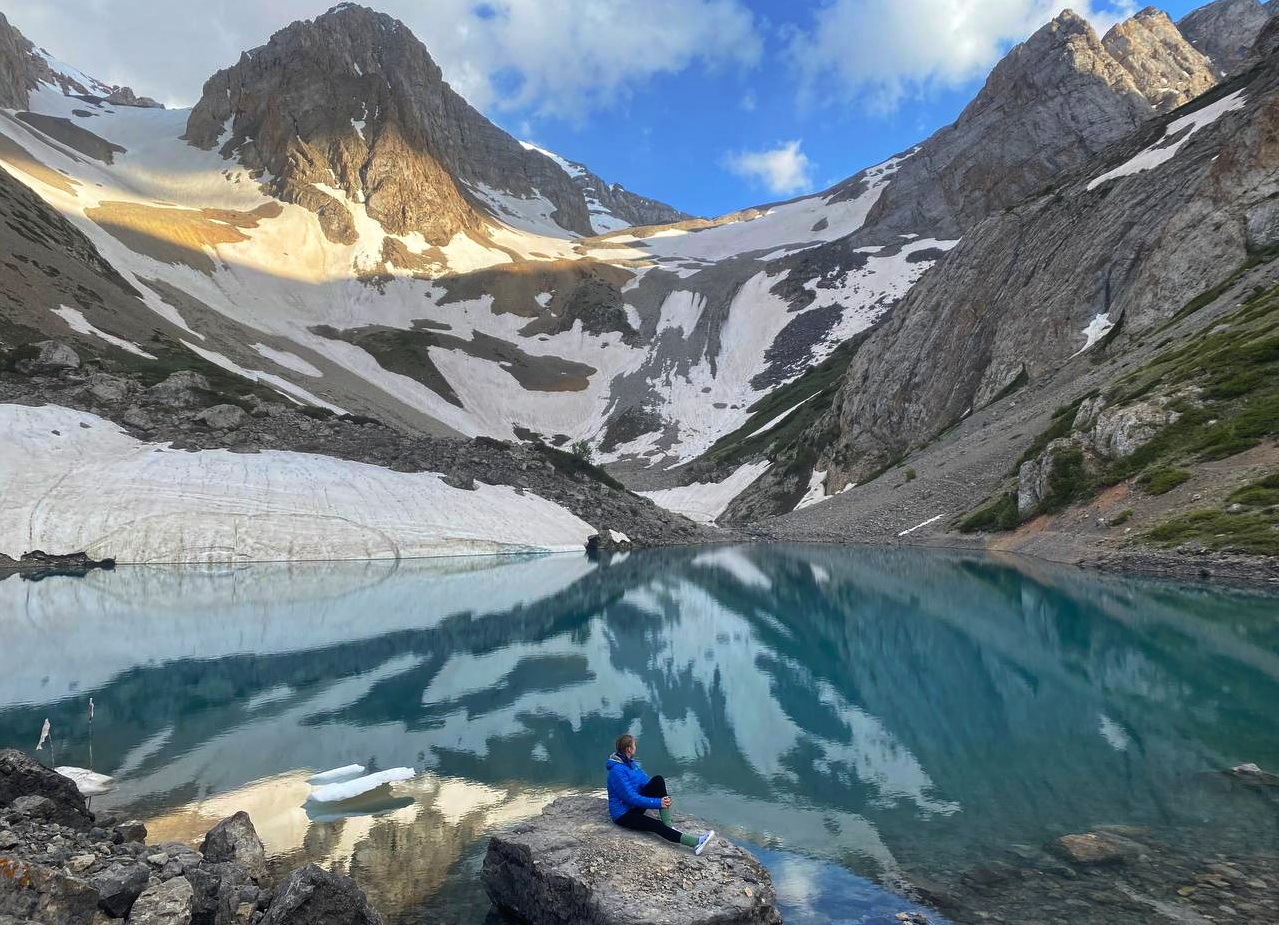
column 572, row 864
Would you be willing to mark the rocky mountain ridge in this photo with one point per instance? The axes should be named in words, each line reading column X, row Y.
column 23, row 67
column 342, row 228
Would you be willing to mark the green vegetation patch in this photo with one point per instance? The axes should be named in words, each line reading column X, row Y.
column 1163, row 479
column 1247, row 532
column 998, row 516
column 1232, row 366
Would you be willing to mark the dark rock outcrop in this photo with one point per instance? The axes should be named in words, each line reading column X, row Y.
column 36, row 893
column 119, row 886
column 235, row 839
column 352, row 100
column 572, row 864
column 22, row 776
column 312, row 895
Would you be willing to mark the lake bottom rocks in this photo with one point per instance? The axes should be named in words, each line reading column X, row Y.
column 61, row 865
column 572, row 864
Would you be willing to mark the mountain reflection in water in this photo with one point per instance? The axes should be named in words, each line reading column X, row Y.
column 875, row 711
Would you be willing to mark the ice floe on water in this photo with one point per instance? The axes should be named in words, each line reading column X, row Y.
column 343, row 790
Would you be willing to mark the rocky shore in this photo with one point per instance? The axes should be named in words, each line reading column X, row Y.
column 1111, row 875
column 61, row 864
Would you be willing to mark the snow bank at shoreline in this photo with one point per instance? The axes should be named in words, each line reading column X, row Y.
column 72, row 481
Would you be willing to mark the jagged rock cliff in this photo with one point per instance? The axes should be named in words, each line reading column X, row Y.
column 1166, row 68
column 1225, row 29
column 351, row 103
column 23, row 67
column 1118, row 247
column 1050, row 104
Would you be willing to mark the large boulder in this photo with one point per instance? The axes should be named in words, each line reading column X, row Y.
column 35, row 893
column 219, row 890
column 1095, row 848
column 313, row 896
column 167, row 903
column 572, row 864
column 51, row 357
column 222, row 417
column 119, row 886
column 235, row 839
column 180, row 390
column 23, row 776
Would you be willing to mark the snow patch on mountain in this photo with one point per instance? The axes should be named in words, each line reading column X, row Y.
column 1178, row 132
column 704, row 502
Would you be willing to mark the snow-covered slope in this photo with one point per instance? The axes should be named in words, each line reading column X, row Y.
column 75, row 481
column 649, row 343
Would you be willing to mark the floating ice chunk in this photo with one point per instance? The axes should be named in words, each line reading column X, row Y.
column 337, row 775
column 89, row 783
column 350, row 789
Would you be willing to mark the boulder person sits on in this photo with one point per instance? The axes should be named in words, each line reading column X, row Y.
column 631, row 793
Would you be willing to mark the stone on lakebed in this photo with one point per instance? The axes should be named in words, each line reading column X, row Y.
column 572, row 864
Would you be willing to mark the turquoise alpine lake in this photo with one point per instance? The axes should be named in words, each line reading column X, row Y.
column 862, row 718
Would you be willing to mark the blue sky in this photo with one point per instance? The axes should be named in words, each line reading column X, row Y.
column 710, row 105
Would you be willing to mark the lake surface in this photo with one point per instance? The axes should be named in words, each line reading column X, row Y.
column 858, row 716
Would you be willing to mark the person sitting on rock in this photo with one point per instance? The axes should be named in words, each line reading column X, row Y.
column 631, row 793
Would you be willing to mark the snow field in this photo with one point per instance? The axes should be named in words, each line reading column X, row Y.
column 74, row 481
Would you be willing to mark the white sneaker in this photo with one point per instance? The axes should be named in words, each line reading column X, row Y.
column 701, row 842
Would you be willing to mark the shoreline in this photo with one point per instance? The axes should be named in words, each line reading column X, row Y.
column 1250, row 572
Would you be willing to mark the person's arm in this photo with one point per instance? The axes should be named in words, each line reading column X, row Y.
column 631, row 795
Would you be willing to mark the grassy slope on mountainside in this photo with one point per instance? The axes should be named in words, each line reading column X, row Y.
column 1223, row 382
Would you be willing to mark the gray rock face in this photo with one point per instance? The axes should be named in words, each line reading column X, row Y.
column 22, row 69
column 235, row 839
column 178, row 390
column 119, row 886
column 54, row 357
column 352, row 100
column 1120, row 432
column 1023, row 286
column 1052, row 102
column 572, row 864
column 1225, row 30
column 17, row 67
column 1166, row 68
column 35, row 893
column 223, row 417
column 21, row 776
column 313, row 896
column 167, row 903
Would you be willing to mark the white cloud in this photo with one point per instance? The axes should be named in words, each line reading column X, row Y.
column 552, row 57
column 783, row 170
column 881, row 52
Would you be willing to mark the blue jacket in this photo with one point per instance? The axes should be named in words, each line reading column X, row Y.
column 625, row 778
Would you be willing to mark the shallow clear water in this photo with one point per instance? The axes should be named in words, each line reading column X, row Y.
column 853, row 714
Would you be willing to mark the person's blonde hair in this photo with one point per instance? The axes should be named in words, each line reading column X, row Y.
column 624, row 741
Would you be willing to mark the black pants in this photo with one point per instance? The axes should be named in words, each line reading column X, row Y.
column 640, row 821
